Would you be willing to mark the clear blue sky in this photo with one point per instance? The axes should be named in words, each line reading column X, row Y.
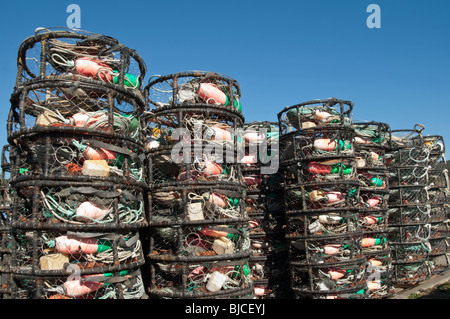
column 281, row 52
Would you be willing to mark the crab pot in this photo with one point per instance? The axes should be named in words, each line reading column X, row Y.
column 49, row 252
column 177, row 127
column 408, row 195
column 78, row 205
column 436, row 147
column 406, row 147
column 438, row 176
column 323, row 250
column 76, row 55
column 46, row 105
column 410, row 273
column 202, row 203
column 193, row 88
column 318, row 197
column 189, row 166
column 315, row 114
column 325, row 145
column 65, row 155
column 409, row 215
column 371, row 136
column 5, row 255
column 439, row 263
column 178, row 278
column 408, row 175
column 438, row 212
column 404, row 253
column 322, row 223
column 124, row 284
column 338, row 280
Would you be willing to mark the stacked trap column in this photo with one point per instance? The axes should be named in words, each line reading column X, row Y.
column 438, row 196
column 5, row 225
column 409, row 207
column 78, row 175
column 198, row 234
column 321, row 200
column 264, row 202
column 371, row 142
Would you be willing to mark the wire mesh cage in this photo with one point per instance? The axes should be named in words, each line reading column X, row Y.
column 78, row 205
column 200, row 88
column 339, row 280
column 48, row 252
column 62, row 53
column 58, row 105
column 218, row 279
column 125, row 284
column 316, row 113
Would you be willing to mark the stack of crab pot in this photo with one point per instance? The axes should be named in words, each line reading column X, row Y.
column 371, row 142
column 409, row 206
column 78, row 169
column 264, row 200
column 5, row 225
column 438, row 193
column 198, row 238
column 321, row 194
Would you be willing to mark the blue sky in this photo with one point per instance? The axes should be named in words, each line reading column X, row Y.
column 281, row 52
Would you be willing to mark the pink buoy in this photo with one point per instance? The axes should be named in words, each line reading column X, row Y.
column 325, row 144
column 96, row 154
column 334, row 196
column 321, row 115
column 373, row 201
column 77, row 287
column 336, row 273
column 221, row 134
column 93, row 69
column 219, row 200
column 72, row 246
column 332, row 249
column 89, row 210
column 211, row 94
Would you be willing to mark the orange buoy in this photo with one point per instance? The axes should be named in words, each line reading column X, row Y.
column 97, row 154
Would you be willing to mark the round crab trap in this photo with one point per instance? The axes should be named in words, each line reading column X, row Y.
column 321, row 197
column 79, row 205
column 410, row 273
column 5, row 224
column 436, row 146
column 227, row 278
column 339, row 280
column 178, row 126
column 318, row 143
column 315, row 114
column 62, row 53
column 57, row 264
column 171, row 167
column 46, row 105
column 125, row 284
column 199, row 88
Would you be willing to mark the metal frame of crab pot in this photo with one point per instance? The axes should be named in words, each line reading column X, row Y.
column 5, row 225
column 410, row 257
column 43, row 36
column 202, row 76
column 182, row 227
column 344, row 114
column 53, row 286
